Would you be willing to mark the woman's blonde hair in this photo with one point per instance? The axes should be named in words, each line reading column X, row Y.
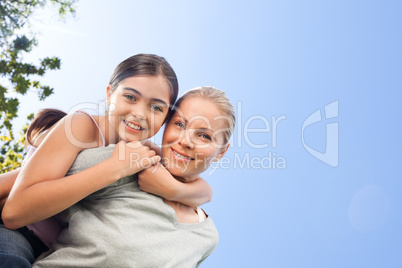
column 219, row 98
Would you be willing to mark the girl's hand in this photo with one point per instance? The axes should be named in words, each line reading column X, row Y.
column 152, row 146
column 132, row 157
column 157, row 180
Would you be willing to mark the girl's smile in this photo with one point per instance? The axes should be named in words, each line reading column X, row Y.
column 132, row 126
column 140, row 105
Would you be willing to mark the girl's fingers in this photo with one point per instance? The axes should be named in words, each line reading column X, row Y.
column 146, row 143
column 154, row 159
column 151, row 153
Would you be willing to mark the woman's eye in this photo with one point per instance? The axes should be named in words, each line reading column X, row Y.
column 156, row 107
column 130, row 97
column 179, row 124
column 205, row 136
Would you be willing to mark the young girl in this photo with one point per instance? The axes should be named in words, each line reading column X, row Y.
column 139, row 95
column 121, row 226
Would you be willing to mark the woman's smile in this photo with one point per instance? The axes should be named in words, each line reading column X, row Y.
column 191, row 138
column 181, row 156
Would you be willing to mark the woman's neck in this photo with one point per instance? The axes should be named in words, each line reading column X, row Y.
column 184, row 213
column 177, row 205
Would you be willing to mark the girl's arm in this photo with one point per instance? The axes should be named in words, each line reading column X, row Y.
column 6, row 183
column 7, row 179
column 41, row 190
column 157, row 180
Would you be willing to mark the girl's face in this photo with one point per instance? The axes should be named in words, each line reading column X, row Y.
column 193, row 138
column 138, row 106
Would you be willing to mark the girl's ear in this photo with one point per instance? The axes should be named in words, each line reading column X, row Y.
column 108, row 94
column 222, row 153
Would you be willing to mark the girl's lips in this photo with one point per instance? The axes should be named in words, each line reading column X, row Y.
column 180, row 156
column 132, row 126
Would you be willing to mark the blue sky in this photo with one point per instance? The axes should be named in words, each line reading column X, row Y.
column 281, row 63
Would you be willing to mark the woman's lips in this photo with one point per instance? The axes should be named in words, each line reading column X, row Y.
column 181, row 156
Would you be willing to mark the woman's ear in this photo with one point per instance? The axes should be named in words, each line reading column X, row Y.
column 222, row 153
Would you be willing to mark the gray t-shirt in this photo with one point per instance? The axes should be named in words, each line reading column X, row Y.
column 122, row 226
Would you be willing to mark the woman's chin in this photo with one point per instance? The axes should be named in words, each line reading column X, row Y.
column 180, row 175
column 177, row 172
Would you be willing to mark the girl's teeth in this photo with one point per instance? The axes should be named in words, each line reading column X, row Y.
column 133, row 126
column 181, row 156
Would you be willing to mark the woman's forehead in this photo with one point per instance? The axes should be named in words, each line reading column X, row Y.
column 200, row 112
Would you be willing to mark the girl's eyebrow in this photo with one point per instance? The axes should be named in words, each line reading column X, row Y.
column 152, row 99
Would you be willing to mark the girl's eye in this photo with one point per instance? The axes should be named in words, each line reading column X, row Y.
column 156, row 107
column 179, row 124
column 130, row 97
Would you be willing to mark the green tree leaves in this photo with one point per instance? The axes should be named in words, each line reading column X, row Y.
column 17, row 77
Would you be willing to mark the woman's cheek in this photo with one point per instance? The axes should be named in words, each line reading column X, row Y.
column 173, row 136
column 212, row 153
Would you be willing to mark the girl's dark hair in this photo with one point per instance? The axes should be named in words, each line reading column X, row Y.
column 43, row 120
column 146, row 64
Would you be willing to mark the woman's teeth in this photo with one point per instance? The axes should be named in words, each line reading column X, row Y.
column 181, row 156
column 133, row 125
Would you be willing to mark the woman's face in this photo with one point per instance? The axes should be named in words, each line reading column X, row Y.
column 138, row 106
column 193, row 138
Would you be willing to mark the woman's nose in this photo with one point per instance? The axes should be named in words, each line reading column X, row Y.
column 186, row 141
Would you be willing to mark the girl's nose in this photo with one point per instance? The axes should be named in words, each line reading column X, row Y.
column 139, row 116
column 139, row 113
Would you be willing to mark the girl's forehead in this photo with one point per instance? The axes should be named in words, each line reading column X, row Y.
column 147, row 86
